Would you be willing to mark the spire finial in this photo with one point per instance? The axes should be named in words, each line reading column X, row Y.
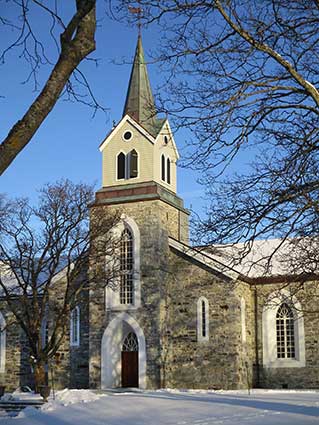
column 137, row 11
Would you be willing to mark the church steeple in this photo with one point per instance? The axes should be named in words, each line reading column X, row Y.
column 139, row 103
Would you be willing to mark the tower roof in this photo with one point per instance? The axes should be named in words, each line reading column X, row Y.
column 139, row 103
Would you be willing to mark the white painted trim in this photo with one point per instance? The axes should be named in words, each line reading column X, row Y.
column 200, row 337
column 125, row 119
column 77, row 342
column 127, row 140
column 3, row 344
column 127, row 165
column 243, row 319
column 171, row 137
column 111, row 351
column 269, row 331
column 112, row 297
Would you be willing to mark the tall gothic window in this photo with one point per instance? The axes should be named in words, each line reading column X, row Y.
column 127, row 165
column 121, row 166
column 202, row 319
column 133, row 164
column 163, row 167
column 203, row 330
column 127, row 267
column 285, row 331
column 168, row 171
column 75, row 327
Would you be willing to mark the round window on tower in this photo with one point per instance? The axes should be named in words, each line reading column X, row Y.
column 127, row 135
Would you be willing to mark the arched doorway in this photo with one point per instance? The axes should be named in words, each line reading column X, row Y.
column 129, row 360
column 112, row 347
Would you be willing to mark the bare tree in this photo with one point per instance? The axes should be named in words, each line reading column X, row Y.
column 74, row 41
column 44, row 262
column 243, row 77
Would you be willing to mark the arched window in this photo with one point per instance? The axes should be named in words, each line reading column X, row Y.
column 285, row 332
column 126, row 267
column 124, row 291
column 121, row 166
column 130, row 343
column 163, row 167
column 202, row 320
column 2, row 343
column 75, row 327
column 168, row 171
column 133, row 163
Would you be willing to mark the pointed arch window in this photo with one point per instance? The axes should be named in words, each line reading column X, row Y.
column 124, row 292
column 121, row 166
column 285, row 332
column 202, row 320
column 168, row 171
column 133, row 164
column 75, row 327
column 163, row 167
column 127, row 165
column 130, row 343
column 126, row 267
column 2, row 343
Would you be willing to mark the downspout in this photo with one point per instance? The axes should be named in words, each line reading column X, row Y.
column 256, row 339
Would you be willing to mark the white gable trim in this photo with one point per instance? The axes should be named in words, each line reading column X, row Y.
column 130, row 120
column 166, row 123
column 205, row 259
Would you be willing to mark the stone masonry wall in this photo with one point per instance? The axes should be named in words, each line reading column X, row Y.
column 153, row 263
column 293, row 377
column 187, row 363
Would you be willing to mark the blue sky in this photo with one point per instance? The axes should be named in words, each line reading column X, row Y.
column 66, row 145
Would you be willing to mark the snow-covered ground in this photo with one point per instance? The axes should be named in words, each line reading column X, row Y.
column 163, row 407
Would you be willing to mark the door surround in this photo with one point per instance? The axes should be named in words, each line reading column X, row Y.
column 111, row 348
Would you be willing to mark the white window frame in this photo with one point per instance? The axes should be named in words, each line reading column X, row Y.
column 3, row 344
column 200, row 337
column 243, row 320
column 127, row 161
column 75, row 342
column 112, row 292
column 270, row 309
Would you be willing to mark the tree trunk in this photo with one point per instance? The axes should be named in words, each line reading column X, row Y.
column 73, row 50
column 40, row 377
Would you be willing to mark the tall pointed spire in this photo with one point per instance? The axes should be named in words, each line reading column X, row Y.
column 139, row 103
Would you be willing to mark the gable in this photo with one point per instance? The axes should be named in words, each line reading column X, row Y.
column 118, row 130
column 165, row 141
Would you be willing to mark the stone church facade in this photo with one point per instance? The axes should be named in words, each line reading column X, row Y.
column 179, row 317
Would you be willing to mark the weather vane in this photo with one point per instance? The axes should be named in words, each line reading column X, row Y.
column 137, row 11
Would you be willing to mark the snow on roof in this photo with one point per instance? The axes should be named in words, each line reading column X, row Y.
column 262, row 258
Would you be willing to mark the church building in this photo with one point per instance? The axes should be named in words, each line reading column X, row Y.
column 180, row 316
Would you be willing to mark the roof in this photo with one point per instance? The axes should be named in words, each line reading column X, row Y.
column 204, row 259
column 139, row 103
column 262, row 258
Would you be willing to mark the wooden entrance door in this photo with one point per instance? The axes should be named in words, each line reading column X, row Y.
column 130, row 361
column 129, row 368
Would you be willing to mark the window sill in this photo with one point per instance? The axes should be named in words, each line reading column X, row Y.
column 284, row 363
column 122, row 307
